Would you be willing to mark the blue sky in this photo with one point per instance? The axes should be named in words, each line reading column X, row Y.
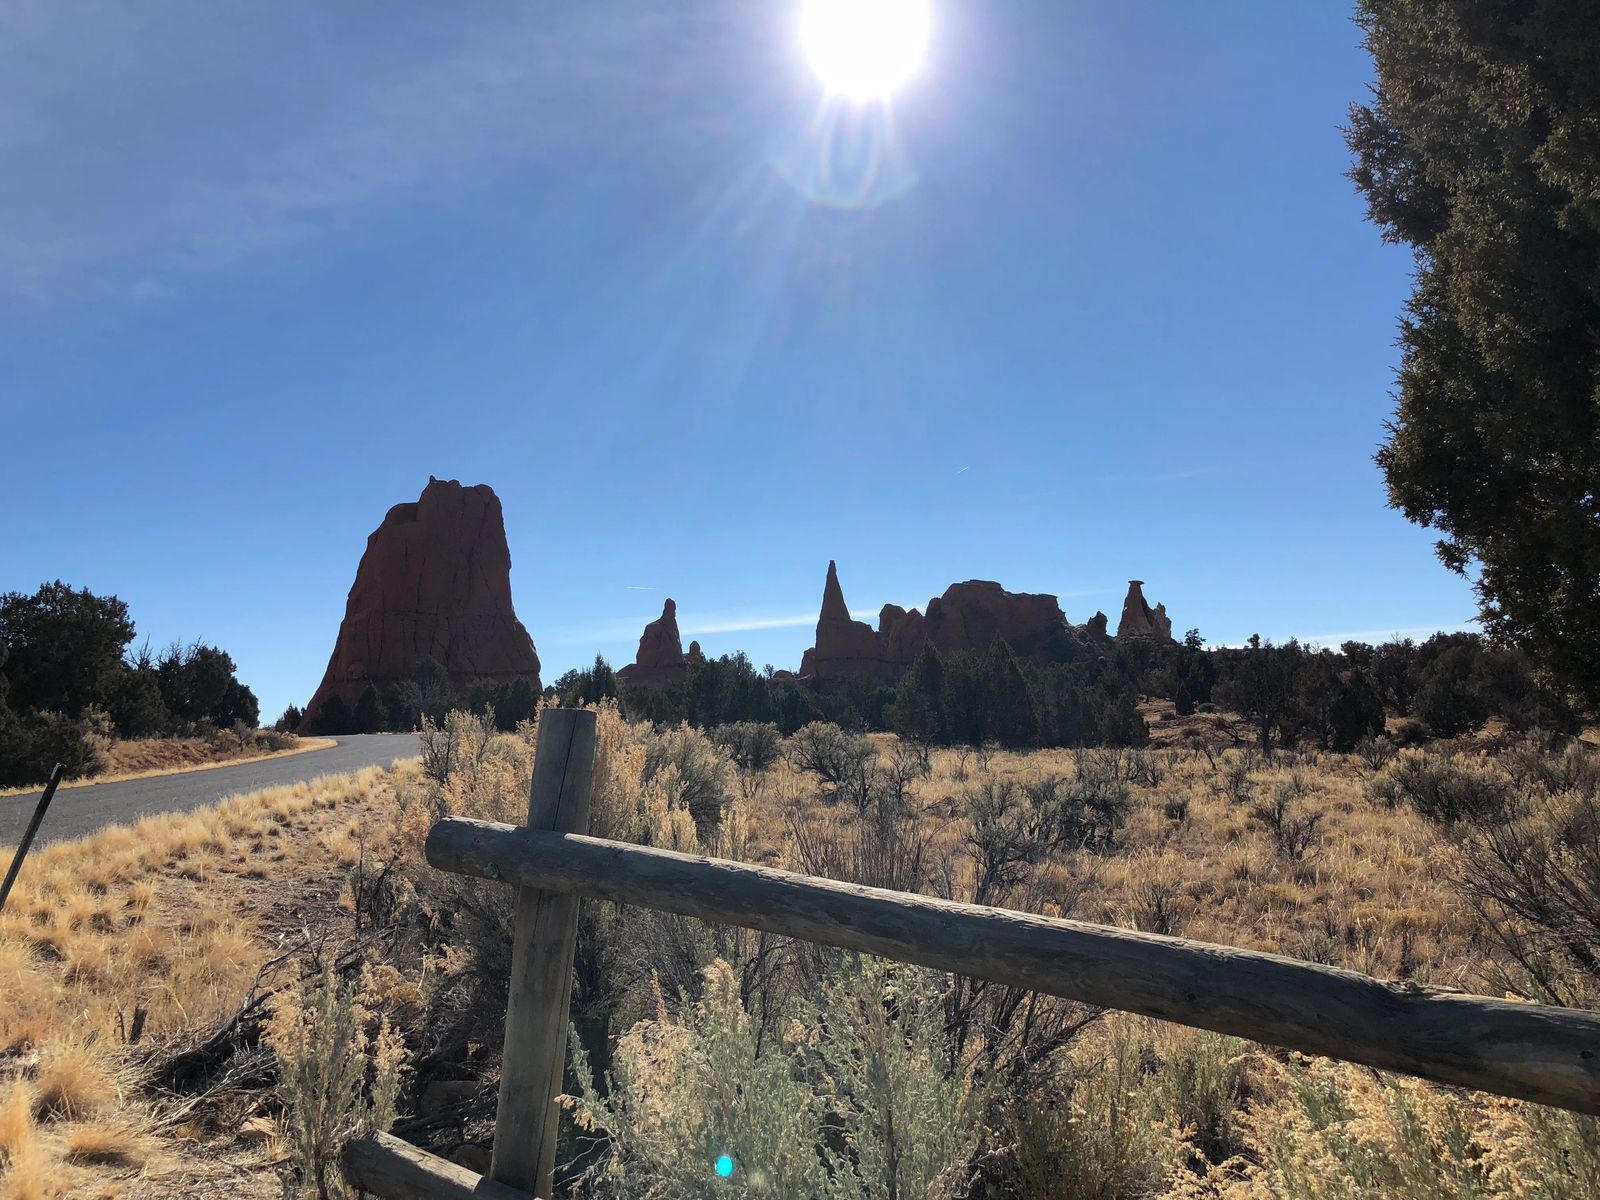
column 1091, row 300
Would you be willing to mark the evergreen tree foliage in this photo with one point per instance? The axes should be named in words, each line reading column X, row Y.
column 1010, row 716
column 1478, row 150
column 1288, row 693
column 918, row 710
column 1450, row 698
column 1122, row 725
column 370, row 715
column 403, row 704
column 520, row 703
column 136, row 705
column 335, row 717
column 198, row 684
column 1262, row 688
column 1357, row 713
column 64, row 647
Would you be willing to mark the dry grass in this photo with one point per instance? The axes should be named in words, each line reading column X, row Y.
column 150, row 758
column 1368, row 896
column 171, row 918
column 177, row 915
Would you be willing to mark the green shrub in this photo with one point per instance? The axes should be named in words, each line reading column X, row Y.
column 1450, row 698
column 686, row 1090
column 701, row 783
column 1122, row 725
column 1576, row 767
column 1204, row 1076
column 1101, row 1133
column 198, row 683
column 31, row 746
column 1534, row 872
column 1408, row 732
column 880, row 1052
column 1336, row 1131
column 369, row 715
column 1376, row 751
column 855, row 1103
column 752, row 745
column 833, row 755
column 135, row 703
column 334, row 717
column 338, row 1078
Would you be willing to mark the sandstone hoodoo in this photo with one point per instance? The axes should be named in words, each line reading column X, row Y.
column 1139, row 620
column 660, row 660
column 434, row 582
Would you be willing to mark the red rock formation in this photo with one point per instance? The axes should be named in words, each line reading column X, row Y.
column 1139, row 620
column 660, row 660
column 972, row 615
column 968, row 617
column 434, row 582
column 901, row 633
column 844, row 646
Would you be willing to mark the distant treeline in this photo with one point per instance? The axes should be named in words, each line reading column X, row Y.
column 68, row 683
column 1445, row 687
column 400, row 707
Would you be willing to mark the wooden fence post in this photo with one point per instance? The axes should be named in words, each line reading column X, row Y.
column 543, row 939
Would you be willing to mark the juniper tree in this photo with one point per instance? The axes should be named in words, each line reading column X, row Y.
column 1478, row 150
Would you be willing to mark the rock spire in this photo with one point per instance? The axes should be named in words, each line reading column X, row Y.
column 1139, row 620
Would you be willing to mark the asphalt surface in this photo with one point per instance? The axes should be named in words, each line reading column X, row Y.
column 80, row 810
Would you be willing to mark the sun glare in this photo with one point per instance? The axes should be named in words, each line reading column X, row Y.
column 864, row 49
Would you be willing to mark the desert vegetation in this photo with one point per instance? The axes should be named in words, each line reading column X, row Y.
column 1448, row 686
column 1456, row 864
column 123, row 956
column 887, row 1080
column 72, row 692
column 877, row 1079
column 1492, row 443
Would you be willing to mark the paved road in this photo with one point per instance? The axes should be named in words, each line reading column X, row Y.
column 80, row 810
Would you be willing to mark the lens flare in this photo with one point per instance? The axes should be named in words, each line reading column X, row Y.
column 864, row 49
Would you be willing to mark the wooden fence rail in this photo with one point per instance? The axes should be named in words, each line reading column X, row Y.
column 1529, row 1051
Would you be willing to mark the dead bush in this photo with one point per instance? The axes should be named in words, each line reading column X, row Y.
column 1535, row 878
column 1445, row 789
column 836, row 757
column 1294, row 834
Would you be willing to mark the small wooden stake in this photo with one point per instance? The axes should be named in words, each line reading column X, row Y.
column 27, row 838
column 541, row 964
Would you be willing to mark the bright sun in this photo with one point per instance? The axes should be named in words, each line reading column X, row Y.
column 864, row 49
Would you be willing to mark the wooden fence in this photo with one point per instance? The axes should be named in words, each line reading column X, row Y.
column 1529, row 1051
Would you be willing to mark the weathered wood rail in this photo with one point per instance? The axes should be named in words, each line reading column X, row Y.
column 1528, row 1051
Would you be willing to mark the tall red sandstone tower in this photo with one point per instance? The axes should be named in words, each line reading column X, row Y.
column 435, row 582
